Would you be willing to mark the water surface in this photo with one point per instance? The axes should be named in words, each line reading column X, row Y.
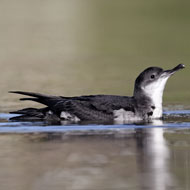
column 81, row 157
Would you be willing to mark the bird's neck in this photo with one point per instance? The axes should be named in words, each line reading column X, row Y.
column 150, row 103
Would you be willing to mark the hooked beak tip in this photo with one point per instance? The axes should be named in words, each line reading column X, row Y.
column 172, row 71
column 180, row 66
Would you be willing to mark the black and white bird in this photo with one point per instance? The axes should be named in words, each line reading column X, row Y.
column 145, row 104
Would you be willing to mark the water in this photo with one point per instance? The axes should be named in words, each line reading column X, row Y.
column 77, row 47
column 81, row 157
column 173, row 119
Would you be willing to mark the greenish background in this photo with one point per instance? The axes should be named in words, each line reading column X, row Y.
column 74, row 47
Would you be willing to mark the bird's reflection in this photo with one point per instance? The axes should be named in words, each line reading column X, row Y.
column 153, row 159
column 120, row 159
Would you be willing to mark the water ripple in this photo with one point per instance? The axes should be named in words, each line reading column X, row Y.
column 171, row 120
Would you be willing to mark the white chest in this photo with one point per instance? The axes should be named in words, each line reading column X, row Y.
column 155, row 92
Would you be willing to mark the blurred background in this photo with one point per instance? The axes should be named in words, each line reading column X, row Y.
column 74, row 47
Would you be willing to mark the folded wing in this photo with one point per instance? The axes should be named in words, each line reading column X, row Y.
column 94, row 107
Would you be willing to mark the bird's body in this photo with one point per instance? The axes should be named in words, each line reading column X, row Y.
column 145, row 104
column 81, row 108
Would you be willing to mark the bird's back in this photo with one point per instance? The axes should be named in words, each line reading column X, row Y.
column 79, row 108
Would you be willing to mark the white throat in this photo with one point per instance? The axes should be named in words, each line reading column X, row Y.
column 155, row 92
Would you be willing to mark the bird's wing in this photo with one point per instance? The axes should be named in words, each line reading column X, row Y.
column 95, row 107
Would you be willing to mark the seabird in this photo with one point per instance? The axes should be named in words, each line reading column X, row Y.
column 144, row 105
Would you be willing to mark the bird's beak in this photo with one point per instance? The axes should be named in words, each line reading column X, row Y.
column 168, row 73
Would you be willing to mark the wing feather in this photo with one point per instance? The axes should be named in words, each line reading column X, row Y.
column 95, row 107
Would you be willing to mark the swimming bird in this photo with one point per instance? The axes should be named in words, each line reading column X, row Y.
column 145, row 104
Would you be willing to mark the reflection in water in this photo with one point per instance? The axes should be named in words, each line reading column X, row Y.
column 153, row 160
column 138, row 159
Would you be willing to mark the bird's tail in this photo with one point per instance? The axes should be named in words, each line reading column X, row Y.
column 35, row 114
column 29, row 114
column 37, row 97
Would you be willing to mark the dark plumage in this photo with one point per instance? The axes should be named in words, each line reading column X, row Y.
column 95, row 107
column 141, row 106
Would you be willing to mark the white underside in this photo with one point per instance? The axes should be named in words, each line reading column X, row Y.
column 67, row 116
column 123, row 116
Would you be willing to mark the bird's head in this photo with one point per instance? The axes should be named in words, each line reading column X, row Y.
column 151, row 82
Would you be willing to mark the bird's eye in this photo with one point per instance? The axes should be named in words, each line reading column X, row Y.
column 152, row 76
